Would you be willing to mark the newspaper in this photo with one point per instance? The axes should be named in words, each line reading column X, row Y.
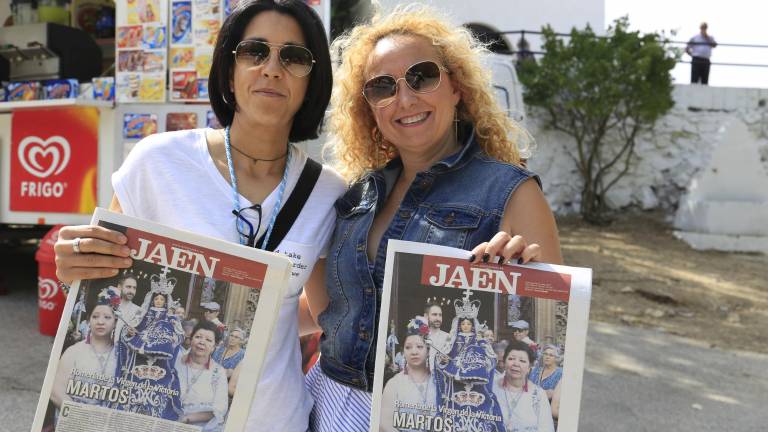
column 160, row 346
column 478, row 347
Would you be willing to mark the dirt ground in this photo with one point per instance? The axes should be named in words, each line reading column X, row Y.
column 645, row 277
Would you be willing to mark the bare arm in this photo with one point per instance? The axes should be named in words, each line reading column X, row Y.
column 556, row 400
column 114, row 205
column 528, row 214
column 314, row 300
column 528, row 230
column 233, row 380
column 307, row 323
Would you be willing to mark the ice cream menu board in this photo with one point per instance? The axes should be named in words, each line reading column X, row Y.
column 194, row 27
column 142, row 50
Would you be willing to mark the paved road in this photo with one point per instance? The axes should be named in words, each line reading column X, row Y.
column 639, row 380
column 636, row 380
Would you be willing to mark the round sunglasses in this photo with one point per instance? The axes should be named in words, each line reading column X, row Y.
column 295, row 59
column 422, row 77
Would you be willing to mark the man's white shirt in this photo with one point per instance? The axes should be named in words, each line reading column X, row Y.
column 700, row 46
column 441, row 341
column 131, row 314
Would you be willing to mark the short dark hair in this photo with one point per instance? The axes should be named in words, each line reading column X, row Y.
column 429, row 306
column 125, row 277
column 207, row 325
column 517, row 345
column 310, row 115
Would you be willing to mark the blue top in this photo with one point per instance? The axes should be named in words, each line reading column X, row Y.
column 458, row 202
column 548, row 383
column 228, row 362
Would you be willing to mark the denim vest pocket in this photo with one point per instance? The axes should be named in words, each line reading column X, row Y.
column 449, row 225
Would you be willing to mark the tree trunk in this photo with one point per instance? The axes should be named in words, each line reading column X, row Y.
column 593, row 205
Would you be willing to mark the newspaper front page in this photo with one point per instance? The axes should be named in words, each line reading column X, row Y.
column 478, row 347
column 174, row 343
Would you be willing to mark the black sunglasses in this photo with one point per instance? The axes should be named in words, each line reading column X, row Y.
column 250, row 236
column 422, row 77
column 297, row 60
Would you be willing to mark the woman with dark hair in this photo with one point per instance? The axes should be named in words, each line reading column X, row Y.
column 413, row 386
column 204, row 395
column 92, row 360
column 524, row 405
column 269, row 86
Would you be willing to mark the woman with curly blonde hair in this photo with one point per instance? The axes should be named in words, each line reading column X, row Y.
column 433, row 159
column 354, row 122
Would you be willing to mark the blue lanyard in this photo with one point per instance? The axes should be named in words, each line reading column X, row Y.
column 236, row 197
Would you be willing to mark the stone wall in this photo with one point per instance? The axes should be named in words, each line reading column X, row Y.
column 668, row 157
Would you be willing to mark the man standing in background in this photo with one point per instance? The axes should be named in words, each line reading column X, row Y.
column 700, row 49
column 440, row 340
column 130, row 312
column 211, row 312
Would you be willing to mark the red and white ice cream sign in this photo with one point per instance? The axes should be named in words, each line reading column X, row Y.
column 54, row 156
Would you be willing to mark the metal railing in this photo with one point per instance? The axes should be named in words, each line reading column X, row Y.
column 522, row 34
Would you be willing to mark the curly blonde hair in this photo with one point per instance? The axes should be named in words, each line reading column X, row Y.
column 355, row 147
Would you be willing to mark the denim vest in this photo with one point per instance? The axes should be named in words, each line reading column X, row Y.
column 458, row 202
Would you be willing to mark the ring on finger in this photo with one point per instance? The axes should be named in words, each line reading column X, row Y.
column 76, row 245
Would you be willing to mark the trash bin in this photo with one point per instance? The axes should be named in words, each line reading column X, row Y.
column 50, row 296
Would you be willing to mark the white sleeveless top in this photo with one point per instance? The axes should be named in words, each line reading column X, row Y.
column 170, row 178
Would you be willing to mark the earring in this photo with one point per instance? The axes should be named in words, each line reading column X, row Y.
column 233, row 105
column 377, row 140
column 456, row 124
column 376, row 137
column 382, row 146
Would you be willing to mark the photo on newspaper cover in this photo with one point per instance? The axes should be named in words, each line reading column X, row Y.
column 161, row 345
column 478, row 347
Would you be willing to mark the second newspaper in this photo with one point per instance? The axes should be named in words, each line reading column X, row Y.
column 478, row 347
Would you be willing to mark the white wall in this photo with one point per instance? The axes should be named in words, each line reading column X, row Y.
column 680, row 146
column 505, row 15
column 5, row 10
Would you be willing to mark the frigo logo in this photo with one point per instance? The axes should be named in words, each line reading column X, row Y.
column 33, row 151
column 47, row 289
column 44, row 158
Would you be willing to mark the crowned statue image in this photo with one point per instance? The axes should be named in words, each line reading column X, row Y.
column 464, row 375
column 146, row 354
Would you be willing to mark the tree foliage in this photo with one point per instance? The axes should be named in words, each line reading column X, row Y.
column 603, row 92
